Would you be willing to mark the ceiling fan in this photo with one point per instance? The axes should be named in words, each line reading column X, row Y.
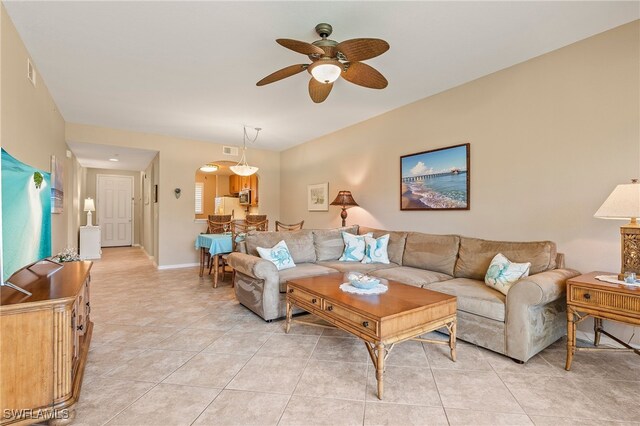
column 330, row 60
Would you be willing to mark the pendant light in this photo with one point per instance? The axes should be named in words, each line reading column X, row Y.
column 243, row 168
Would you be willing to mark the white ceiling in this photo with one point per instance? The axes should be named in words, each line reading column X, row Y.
column 189, row 69
column 97, row 156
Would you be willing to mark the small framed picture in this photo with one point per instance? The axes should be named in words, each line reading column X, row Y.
column 318, row 197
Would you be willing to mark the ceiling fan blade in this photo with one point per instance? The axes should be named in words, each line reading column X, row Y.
column 364, row 75
column 300, row 46
column 319, row 91
column 360, row 49
column 283, row 73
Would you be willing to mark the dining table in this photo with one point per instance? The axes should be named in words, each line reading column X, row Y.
column 215, row 245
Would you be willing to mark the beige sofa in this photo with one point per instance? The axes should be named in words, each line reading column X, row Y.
column 519, row 325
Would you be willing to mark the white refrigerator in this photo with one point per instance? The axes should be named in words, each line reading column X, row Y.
column 229, row 205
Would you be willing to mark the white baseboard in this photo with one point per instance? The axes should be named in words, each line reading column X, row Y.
column 136, row 245
column 604, row 340
column 178, row 266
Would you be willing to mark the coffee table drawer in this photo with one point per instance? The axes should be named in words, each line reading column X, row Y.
column 305, row 297
column 360, row 322
column 605, row 299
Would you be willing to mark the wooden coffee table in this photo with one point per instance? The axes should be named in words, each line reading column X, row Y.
column 402, row 313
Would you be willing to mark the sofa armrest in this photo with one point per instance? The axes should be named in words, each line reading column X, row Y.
column 253, row 266
column 541, row 288
column 535, row 313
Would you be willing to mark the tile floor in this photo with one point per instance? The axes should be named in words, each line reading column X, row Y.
column 168, row 349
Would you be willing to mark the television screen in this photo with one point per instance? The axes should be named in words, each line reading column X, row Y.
column 26, row 214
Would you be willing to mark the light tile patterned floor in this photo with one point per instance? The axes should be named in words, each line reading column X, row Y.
column 168, row 349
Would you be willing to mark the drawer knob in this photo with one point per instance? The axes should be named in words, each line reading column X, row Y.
column 587, row 296
column 290, row 290
column 365, row 324
column 329, row 308
column 314, row 300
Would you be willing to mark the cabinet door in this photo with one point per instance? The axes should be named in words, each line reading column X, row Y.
column 234, row 184
column 253, row 179
column 245, row 182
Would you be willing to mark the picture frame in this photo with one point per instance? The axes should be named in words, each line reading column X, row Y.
column 57, row 185
column 318, row 197
column 438, row 179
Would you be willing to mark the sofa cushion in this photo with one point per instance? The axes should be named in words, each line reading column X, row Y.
column 433, row 252
column 300, row 243
column 354, row 247
column 397, row 240
column 412, row 276
column 279, row 255
column 474, row 297
column 475, row 256
column 301, row 271
column 328, row 243
column 375, row 249
column 365, row 268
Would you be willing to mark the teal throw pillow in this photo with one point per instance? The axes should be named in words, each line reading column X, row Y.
column 375, row 250
column 353, row 247
column 278, row 254
column 503, row 273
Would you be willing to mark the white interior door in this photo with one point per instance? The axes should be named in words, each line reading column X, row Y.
column 114, row 205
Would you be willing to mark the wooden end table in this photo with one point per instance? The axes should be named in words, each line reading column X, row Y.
column 402, row 313
column 587, row 296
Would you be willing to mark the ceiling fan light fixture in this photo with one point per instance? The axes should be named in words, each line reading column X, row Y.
column 326, row 71
column 209, row 168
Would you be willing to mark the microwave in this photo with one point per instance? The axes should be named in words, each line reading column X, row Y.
column 245, row 197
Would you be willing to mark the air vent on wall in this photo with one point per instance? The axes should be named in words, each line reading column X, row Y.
column 31, row 72
column 230, row 150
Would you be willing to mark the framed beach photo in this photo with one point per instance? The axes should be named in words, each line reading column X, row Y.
column 318, row 197
column 436, row 179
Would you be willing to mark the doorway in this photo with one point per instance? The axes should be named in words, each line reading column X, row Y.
column 114, row 205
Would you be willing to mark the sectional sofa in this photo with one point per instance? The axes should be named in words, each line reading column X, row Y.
column 519, row 325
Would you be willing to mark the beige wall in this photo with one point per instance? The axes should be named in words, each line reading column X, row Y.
column 177, row 161
column 32, row 128
column 210, row 182
column 90, row 191
column 550, row 139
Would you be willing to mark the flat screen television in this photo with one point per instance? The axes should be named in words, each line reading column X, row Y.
column 26, row 215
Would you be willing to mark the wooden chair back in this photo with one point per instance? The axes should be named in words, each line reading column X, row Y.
column 237, row 230
column 289, row 227
column 259, row 222
column 218, row 227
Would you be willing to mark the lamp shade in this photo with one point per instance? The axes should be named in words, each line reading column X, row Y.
column 623, row 203
column 243, row 169
column 89, row 205
column 344, row 198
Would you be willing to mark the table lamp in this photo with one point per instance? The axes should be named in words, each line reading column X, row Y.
column 344, row 199
column 89, row 206
column 624, row 203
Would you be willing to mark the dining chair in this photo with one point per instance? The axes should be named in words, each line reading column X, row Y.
column 215, row 218
column 259, row 222
column 238, row 231
column 217, row 228
column 289, row 227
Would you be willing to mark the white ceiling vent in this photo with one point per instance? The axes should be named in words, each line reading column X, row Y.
column 31, row 72
column 230, row 150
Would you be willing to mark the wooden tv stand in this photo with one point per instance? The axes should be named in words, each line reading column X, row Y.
column 44, row 342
